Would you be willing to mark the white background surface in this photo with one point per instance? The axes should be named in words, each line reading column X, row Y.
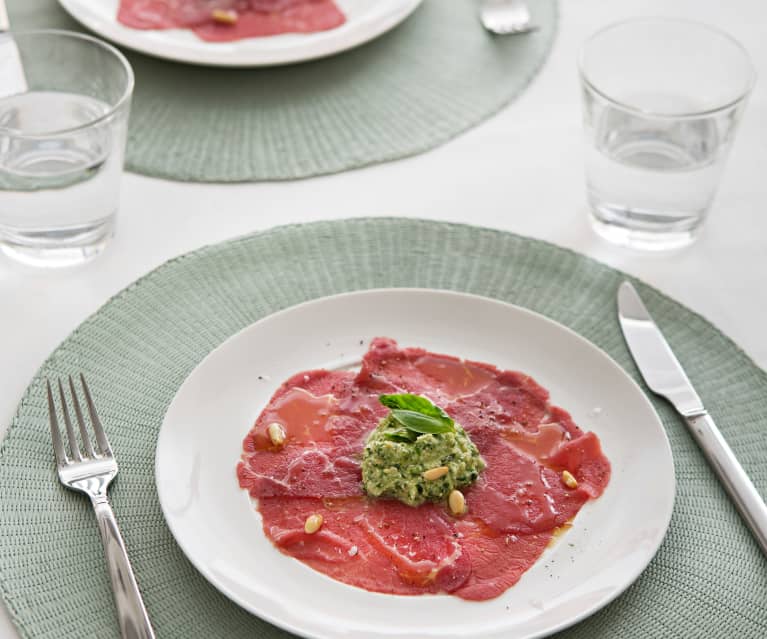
column 520, row 171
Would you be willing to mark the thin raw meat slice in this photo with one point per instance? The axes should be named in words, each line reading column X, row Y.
column 509, row 400
column 415, row 370
column 497, row 561
column 476, row 391
column 420, row 542
column 309, row 16
column 516, row 493
column 379, row 546
column 325, row 418
column 169, row 14
column 249, row 18
column 284, row 519
column 302, row 472
column 584, row 458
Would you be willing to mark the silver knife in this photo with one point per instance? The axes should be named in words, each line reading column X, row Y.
column 665, row 376
column 12, row 78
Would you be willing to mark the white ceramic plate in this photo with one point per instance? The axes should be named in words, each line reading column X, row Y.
column 214, row 522
column 365, row 20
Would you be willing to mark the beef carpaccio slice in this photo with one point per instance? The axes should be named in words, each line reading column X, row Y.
column 514, row 508
column 254, row 18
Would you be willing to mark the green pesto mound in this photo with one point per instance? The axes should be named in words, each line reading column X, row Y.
column 393, row 468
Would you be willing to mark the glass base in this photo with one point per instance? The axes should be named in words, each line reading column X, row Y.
column 59, row 247
column 644, row 230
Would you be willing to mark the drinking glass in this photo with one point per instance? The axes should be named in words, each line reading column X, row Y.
column 661, row 102
column 64, row 103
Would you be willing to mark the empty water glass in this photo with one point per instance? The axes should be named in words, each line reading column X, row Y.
column 661, row 102
column 64, row 103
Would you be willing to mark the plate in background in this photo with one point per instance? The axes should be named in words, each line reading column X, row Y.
column 365, row 20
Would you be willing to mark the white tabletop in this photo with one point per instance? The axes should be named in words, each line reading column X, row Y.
column 520, row 171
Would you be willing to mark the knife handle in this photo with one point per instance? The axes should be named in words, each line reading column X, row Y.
column 737, row 484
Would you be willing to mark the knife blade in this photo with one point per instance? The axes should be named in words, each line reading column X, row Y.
column 665, row 376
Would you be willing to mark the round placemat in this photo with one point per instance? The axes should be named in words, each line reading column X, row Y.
column 414, row 88
column 708, row 579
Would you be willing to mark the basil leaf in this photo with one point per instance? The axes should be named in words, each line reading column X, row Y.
column 417, row 414
column 415, row 403
column 421, row 423
column 401, row 435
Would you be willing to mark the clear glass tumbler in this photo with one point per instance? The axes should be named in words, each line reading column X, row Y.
column 64, row 104
column 661, row 101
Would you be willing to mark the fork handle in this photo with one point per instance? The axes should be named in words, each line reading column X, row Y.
column 134, row 621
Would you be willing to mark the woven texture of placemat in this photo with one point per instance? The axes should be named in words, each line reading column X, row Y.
column 414, row 88
column 708, row 579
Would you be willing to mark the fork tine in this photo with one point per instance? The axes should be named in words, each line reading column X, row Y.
column 101, row 436
column 58, row 446
column 73, row 447
column 80, row 421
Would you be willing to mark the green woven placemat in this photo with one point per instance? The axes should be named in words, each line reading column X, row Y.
column 410, row 90
column 708, row 579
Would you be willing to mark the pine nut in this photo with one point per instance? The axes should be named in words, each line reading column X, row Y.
column 435, row 473
column 457, row 502
column 224, row 16
column 568, row 479
column 313, row 524
column 276, row 433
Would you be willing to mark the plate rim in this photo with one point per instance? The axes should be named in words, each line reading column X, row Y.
column 134, row 40
column 265, row 614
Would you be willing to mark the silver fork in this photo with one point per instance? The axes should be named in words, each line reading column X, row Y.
column 504, row 17
column 91, row 473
